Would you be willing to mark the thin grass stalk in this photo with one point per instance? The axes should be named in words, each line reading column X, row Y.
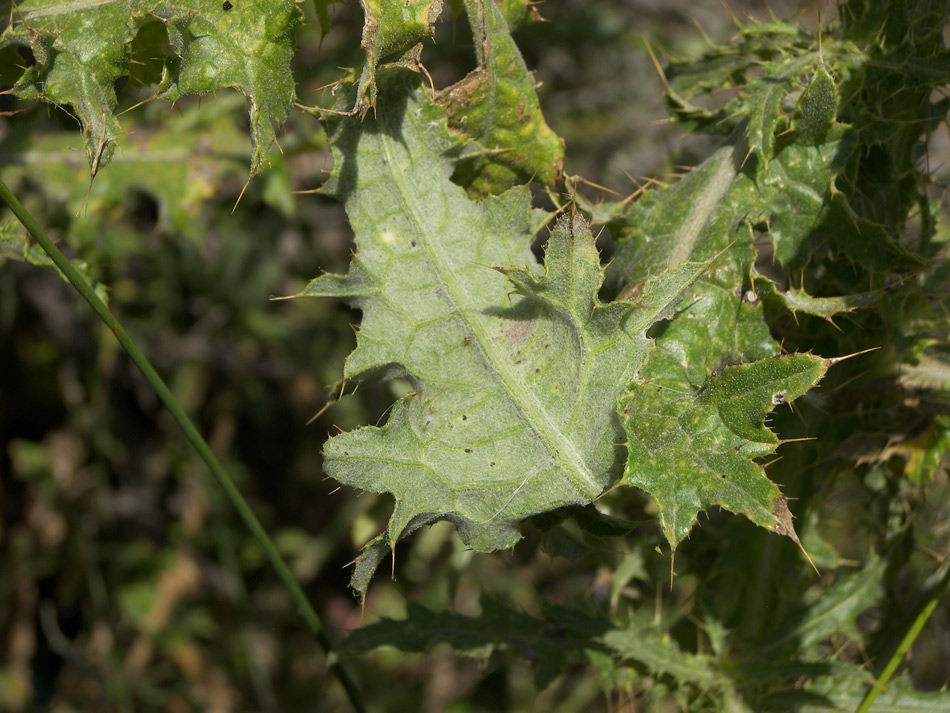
column 936, row 593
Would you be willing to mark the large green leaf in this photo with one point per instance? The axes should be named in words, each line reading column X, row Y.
column 686, row 448
column 516, row 371
column 82, row 48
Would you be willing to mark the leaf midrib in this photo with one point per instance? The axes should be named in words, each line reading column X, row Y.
column 686, row 237
column 62, row 8
column 564, row 452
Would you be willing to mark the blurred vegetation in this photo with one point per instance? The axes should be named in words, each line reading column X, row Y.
column 127, row 583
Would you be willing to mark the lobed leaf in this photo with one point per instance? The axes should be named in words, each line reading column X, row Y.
column 516, row 371
column 498, row 629
column 692, row 445
column 249, row 48
column 797, row 300
column 834, row 613
column 180, row 166
column 79, row 52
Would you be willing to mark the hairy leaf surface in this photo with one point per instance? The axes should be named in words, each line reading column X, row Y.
column 516, row 371
column 683, row 449
column 249, row 48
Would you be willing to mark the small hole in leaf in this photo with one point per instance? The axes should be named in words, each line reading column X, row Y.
column 657, row 329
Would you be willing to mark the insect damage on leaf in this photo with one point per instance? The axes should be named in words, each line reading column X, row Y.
column 496, row 105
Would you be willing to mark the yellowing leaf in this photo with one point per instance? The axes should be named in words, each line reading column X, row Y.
column 497, row 106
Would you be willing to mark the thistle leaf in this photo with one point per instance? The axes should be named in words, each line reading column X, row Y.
column 516, row 371
column 692, row 445
column 79, row 55
column 549, row 646
column 818, row 105
column 248, row 48
column 695, row 415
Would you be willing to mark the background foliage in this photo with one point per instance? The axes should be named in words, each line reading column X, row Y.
column 126, row 582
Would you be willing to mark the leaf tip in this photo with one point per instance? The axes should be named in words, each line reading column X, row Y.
column 783, row 519
column 784, row 526
column 835, row 360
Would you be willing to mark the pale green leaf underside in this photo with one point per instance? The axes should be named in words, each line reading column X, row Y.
column 516, row 371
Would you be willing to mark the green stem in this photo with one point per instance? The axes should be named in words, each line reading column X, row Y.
column 191, row 433
column 916, row 627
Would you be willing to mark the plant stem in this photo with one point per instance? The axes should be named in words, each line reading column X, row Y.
column 916, row 627
column 191, row 433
